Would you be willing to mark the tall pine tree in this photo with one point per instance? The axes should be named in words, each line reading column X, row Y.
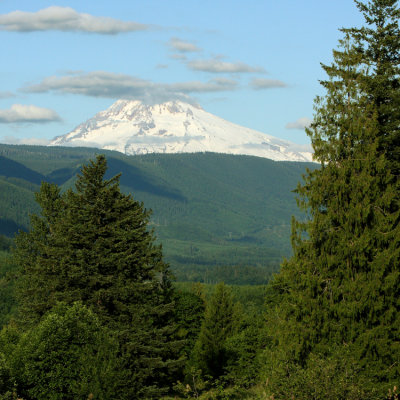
column 210, row 353
column 338, row 296
column 93, row 245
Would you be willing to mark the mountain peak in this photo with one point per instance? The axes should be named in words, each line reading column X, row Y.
column 133, row 127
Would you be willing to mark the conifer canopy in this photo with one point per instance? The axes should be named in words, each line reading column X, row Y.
column 339, row 295
column 93, row 245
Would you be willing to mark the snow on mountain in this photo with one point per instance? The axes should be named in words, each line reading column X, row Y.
column 133, row 127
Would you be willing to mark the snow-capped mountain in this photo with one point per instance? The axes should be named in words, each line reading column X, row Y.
column 133, row 127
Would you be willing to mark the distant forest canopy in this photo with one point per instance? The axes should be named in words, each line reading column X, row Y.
column 209, row 210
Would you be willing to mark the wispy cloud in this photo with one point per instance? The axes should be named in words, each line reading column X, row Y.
column 214, row 85
column 111, row 85
column 179, row 57
column 31, row 141
column 301, row 123
column 260, row 83
column 218, row 66
column 65, row 19
column 6, row 95
column 20, row 113
column 182, row 46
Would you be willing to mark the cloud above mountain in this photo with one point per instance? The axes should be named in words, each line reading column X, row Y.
column 119, row 86
column 29, row 141
column 300, row 123
column 20, row 113
column 182, row 46
column 65, row 19
column 218, row 66
column 260, row 83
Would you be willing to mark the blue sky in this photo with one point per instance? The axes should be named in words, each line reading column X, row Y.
column 255, row 63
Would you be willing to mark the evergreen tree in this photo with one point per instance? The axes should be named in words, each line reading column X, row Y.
column 189, row 313
column 245, row 348
column 379, row 44
column 210, row 353
column 339, row 294
column 92, row 245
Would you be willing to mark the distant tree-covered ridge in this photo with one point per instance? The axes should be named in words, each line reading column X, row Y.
column 208, row 209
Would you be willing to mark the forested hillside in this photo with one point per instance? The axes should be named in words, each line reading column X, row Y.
column 209, row 209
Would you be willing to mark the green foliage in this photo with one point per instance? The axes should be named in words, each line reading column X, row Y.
column 245, row 348
column 6, row 384
column 188, row 312
column 9, row 338
column 68, row 355
column 7, row 295
column 210, row 353
column 242, row 348
column 5, row 243
column 335, row 305
column 393, row 394
column 92, row 245
column 230, row 274
column 338, row 375
column 249, row 296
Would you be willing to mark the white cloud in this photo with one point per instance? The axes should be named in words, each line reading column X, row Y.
column 301, row 123
column 65, row 19
column 183, row 46
column 27, row 113
column 110, row 85
column 260, row 83
column 218, row 66
column 30, row 141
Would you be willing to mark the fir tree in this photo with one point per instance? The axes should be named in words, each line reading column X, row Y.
column 339, row 294
column 379, row 44
column 210, row 355
column 93, row 245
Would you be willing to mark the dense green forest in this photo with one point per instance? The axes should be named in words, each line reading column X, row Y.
column 88, row 298
column 209, row 209
column 90, row 309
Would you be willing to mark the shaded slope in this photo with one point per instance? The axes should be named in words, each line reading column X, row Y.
column 137, row 179
column 13, row 169
column 16, row 204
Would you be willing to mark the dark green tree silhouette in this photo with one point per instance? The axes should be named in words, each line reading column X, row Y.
column 93, row 245
column 339, row 294
column 210, row 355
